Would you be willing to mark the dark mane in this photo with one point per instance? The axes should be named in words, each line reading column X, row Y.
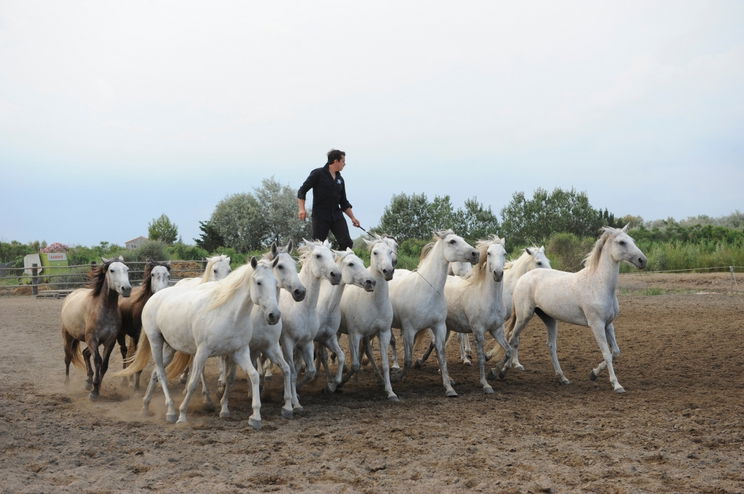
column 97, row 277
column 145, row 291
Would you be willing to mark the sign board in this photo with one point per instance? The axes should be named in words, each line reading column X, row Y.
column 29, row 261
column 56, row 256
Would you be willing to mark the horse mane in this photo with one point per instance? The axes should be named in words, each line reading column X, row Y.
column 211, row 261
column 227, row 287
column 435, row 238
column 307, row 247
column 591, row 261
column 478, row 273
column 97, row 277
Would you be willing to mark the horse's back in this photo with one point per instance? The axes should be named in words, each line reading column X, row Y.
column 554, row 292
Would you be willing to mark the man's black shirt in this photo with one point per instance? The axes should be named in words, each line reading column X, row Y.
column 329, row 194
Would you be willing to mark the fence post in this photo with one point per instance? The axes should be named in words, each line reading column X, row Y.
column 731, row 270
column 34, row 279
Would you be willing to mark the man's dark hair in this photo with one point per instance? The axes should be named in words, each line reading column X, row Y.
column 334, row 155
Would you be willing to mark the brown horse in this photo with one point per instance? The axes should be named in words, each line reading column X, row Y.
column 91, row 315
column 156, row 277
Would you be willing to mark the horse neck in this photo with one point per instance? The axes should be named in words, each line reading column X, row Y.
column 606, row 273
column 312, row 287
column 520, row 266
column 434, row 267
column 108, row 299
column 381, row 292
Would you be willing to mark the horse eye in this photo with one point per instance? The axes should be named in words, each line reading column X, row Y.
column 280, row 266
column 317, row 256
column 539, row 263
column 452, row 241
column 258, row 283
column 622, row 242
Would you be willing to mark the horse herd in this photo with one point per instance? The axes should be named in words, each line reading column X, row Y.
column 267, row 312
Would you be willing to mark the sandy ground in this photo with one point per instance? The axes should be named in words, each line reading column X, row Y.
column 679, row 427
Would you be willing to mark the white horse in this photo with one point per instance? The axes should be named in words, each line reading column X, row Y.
column 585, row 298
column 418, row 296
column 217, row 268
column 265, row 339
column 210, row 319
column 365, row 315
column 300, row 322
column 353, row 273
column 474, row 304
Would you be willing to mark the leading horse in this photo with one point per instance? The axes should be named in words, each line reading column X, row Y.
column 92, row 315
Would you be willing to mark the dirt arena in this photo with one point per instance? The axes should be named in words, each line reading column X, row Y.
column 678, row 428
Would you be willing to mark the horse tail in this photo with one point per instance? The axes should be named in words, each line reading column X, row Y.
column 177, row 365
column 72, row 350
column 498, row 351
column 139, row 360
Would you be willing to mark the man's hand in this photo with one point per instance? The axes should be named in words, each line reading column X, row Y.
column 355, row 222
column 302, row 214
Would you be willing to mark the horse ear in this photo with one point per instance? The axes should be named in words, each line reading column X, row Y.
column 105, row 260
column 290, row 247
column 227, row 259
column 167, row 265
column 625, row 228
column 254, row 262
column 441, row 233
column 527, row 250
column 368, row 242
column 274, row 250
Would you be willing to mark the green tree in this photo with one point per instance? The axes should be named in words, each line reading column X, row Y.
column 533, row 221
column 278, row 205
column 238, row 220
column 415, row 217
column 210, row 238
column 476, row 221
column 163, row 230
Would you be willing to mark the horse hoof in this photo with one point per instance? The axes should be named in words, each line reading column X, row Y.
column 519, row 367
column 488, row 390
column 619, row 389
column 224, row 414
column 395, row 366
column 88, row 386
column 93, row 396
column 419, row 364
column 181, row 420
column 467, row 362
column 393, row 397
column 563, row 380
column 287, row 414
column 592, row 376
column 256, row 424
column 451, row 393
column 171, row 418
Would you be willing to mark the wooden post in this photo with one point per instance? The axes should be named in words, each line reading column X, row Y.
column 34, row 279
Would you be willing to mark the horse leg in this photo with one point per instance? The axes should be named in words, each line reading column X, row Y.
column 367, row 342
column 197, row 368
column 243, row 358
column 227, row 365
column 92, row 343
column 323, row 365
column 166, row 354
column 70, row 348
column 208, row 403
column 552, row 326
column 334, row 346
column 598, row 328
column 158, row 347
column 288, row 351
column 384, row 337
column 356, row 360
column 466, row 352
column 420, row 362
column 512, row 359
column 610, row 334
column 478, row 332
column 121, row 339
column 107, row 349
column 88, row 369
column 308, row 351
column 393, row 351
column 440, row 335
column 274, row 354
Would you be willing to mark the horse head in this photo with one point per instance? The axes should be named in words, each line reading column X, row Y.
column 319, row 260
column 495, row 258
column 117, row 276
column 538, row 257
column 285, row 271
column 353, row 271
column 263, row 289
column 383, row 256
column 220, row 267
column 455, row 248
column 623, row 248
column 159, row 277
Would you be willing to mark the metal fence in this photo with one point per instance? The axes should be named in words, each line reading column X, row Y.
column 58, row 281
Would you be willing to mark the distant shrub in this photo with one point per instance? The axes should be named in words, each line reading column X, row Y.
column 152, row 249
column 567, row 251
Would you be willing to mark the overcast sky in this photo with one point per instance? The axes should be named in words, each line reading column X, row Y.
column 113, row 113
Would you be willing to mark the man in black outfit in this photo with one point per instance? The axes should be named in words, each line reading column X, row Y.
column 329, row 200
